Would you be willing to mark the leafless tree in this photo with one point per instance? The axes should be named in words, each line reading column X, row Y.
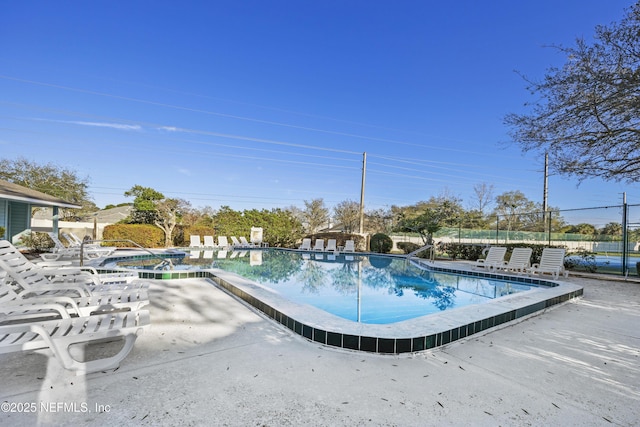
column 588, row 114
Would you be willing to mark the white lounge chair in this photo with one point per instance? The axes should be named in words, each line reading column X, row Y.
column 551, row 262
column 235, row 242
column 494, row 258
column 520, row 260
column 331, row 246
column 223, row 242
column 86, row 290
column 194, row 241
column 256, row 236
column 245, row 243
column 208, row 242
column 60, row 250
column 349, row 246
column 26, row 304
column 319, row 245
column 60, row 334
column 76, row 241
column 306, row 244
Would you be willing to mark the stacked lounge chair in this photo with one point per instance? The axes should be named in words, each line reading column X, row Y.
column 494, row 258
column 36, row 313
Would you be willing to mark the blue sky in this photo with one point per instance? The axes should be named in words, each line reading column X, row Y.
column 264, row 104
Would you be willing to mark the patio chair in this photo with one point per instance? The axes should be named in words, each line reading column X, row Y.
column 245, row 243
column 331, row 246
column 27, row 304
column 306, row 244
column 84, row 288
column 349, row 246
column 235, row 242
column 76, row 241
column 60, row 250
column 223, row 242
column 520, row 260
column 494, row 258
column 256, row 236
column 319, row 245
column 66, row 272
column 60, row 335
column 194, row 241
column 551, row 262
column 208, row 242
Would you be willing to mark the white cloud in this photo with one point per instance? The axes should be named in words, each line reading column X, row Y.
column 119, row 126
column 183, row 171
column 169, row 128
column 108, row 125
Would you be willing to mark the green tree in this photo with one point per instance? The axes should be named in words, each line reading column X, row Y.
column 50, row 179
column 612, row 229
column 582, row 228
column 281, row 227
column 425, row 224
column 152, row 207
column 379, row 221
column 144, row 204
column 588, row 115
column 168, row 215
column 229, row 222
column 516, row 211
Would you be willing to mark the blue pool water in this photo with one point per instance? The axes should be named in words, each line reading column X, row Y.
column 363, row 288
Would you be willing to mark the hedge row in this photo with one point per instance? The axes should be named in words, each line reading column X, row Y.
column 148, row 236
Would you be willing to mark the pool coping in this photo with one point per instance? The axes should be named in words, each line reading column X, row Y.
column 418, row 334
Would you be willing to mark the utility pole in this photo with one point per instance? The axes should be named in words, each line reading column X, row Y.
column 545, row 195
column 625, row 237
column 364, row 173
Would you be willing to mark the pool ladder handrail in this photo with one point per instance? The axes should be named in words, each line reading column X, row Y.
column 423, row 248
column 164, row 261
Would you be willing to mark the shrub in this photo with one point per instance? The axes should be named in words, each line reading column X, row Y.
column 2, row 232
column 381, row 243
column 407, row 247
column 582, row 260
column 461, row 251
column 39, row 242
column 148, row 236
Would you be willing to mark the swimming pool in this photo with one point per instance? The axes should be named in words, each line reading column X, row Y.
column 317, row 325
column 362, row 288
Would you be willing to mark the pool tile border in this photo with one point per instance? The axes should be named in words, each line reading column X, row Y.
column 442, row 329
column 378, row 342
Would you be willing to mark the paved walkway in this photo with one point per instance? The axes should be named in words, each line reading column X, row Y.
column 210, row 360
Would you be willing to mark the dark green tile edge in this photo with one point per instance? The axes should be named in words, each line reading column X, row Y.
column 389, row 345
column 374, row 344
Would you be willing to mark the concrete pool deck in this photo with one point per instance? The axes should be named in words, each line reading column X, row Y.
column 209, row 359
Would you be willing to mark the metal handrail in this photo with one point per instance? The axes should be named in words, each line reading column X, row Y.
column 425, row 247
column 163, row 259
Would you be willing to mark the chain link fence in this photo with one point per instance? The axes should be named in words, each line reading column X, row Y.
column 602, row 239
